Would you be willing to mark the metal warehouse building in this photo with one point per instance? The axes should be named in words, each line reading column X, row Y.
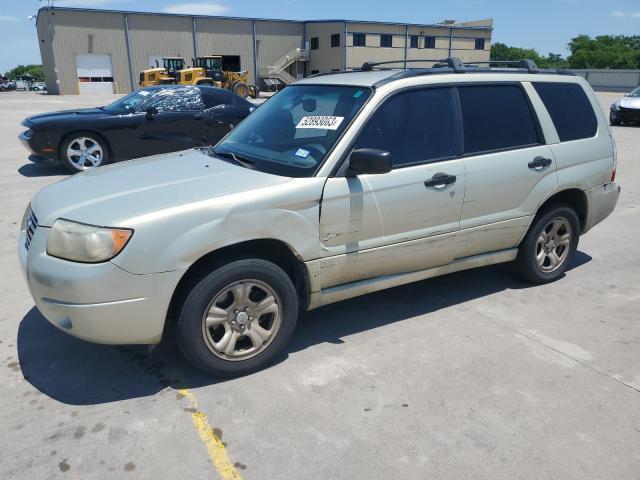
column 86, row 51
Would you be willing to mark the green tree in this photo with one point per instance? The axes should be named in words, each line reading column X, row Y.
column 33, row 70
column 605, row 51
column 500, row 51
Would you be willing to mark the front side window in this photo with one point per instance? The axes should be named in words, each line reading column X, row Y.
column 496, row 117
column 292, row 133
column 359, row 39
column 335, row 40
column 569, row 108
column 416, row 126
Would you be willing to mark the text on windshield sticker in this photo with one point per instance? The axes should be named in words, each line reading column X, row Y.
column 326, row 122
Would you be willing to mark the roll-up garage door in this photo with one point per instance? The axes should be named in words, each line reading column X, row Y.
column 95, row 73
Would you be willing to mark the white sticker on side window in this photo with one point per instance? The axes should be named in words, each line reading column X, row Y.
column 325, row 122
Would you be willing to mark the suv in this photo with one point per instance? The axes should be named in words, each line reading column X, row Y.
column 340, row 185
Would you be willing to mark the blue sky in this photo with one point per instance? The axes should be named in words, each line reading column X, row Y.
column 546, row 25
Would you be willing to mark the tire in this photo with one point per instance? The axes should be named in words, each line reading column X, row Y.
column 222, row 309
column 75, row 142
column 543, row 255
column 613, row 120
column 255, row 91
column 241, row 88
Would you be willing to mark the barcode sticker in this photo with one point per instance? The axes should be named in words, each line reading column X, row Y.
column 320, row 121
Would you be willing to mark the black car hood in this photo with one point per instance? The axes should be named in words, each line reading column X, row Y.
column 66, row 115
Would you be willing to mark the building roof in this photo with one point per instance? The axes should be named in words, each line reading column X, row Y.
column 462, row 25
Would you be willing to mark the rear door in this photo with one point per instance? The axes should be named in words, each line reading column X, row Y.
column 404, row 220
column 509, row 168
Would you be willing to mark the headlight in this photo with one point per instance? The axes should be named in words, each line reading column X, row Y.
column 85, row 243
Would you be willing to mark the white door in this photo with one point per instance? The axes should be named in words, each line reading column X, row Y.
column 95, row 73
column 404, row 220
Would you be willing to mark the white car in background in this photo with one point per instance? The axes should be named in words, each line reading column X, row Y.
column 627, row 109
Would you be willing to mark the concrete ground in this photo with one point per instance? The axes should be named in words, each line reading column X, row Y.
column 476, row 375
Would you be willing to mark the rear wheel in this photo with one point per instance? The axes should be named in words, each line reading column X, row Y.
column 549, row 246
column 82, row 151
column 238, row 317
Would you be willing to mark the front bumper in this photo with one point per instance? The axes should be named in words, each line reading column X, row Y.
column 626, row 115
column 101, row 303
column 38, row 146
column 601, row 201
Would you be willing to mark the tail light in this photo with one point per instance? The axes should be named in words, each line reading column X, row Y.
column 613, row 175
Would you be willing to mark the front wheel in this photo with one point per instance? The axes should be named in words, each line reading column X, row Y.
column 82, row 151
column 238, row 317
column 549, row 246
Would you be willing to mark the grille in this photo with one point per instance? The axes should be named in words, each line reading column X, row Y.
column 30, row 226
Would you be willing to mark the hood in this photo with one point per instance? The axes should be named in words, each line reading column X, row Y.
column 109, row 195
column 66, row 115
column 629, row 102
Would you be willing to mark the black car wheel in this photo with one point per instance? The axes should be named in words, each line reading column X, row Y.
column 82, row 151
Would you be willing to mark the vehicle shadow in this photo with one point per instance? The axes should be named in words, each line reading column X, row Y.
column 75, row 372
column 43, row 169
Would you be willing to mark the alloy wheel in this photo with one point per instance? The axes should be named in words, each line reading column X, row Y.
column 85, row 153
column 242, row 320
column 553, row 244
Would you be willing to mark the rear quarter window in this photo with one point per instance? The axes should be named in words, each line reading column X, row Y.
column 569, row 108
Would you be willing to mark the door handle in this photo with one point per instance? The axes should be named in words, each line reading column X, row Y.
column 539, row 163
column 440, row 180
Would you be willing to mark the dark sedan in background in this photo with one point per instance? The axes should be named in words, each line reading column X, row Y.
column 147, row 122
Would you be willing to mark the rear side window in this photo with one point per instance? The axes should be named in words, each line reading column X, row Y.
column 496, row 117
column 417, row 126
column 570, row 110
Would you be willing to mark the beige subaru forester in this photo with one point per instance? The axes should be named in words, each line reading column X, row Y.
column 340, row 185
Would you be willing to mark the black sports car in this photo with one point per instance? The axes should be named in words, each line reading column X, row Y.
column 147, row 122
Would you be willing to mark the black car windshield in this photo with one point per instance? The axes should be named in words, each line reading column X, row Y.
column 291, row 134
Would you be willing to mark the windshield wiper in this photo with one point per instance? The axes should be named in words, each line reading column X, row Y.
column 238, row 159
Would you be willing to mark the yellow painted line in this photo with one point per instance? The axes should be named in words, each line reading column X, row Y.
column 215, row 448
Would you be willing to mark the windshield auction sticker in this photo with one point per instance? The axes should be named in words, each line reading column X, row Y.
column 320, row 121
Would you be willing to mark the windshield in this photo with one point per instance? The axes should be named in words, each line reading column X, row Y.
column 129, row 103
column 635, row 93
column 292, row 132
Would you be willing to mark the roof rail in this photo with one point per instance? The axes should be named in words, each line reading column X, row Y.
column 454, row 63
column 527, row 64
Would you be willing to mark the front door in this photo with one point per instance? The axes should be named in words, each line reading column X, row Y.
column 405, row 220
column 178, row 125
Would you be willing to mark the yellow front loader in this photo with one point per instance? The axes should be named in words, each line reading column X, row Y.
column 165, row 75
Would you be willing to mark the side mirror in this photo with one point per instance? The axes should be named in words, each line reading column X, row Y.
column 368, row 160
column 151, row 112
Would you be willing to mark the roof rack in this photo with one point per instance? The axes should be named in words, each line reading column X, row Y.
column 453, row 62
column 527, row 64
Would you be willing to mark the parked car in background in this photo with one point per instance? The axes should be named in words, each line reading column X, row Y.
column 38, row 87
column 340, row 185
column 627, row 109
column 146, row 122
